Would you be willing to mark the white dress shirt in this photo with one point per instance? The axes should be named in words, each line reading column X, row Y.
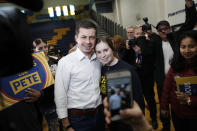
column 77, row 83
column 168, row 54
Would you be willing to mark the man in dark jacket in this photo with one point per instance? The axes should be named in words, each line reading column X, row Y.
column 144, row 48
column 166, row 46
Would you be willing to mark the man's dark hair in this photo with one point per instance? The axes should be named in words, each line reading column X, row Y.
column 84, row 23
column 178, row 61
column 163, row 22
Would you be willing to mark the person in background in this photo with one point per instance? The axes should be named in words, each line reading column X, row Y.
column 107, row 55
column 183, row 105
column 130, row 52
column 119, row 45
column 130, row 36
column 77, row 93
column 144, row 48
column 52, row 61
column 130, row 33
column 72, row 48
column 54, row 55
column 166, row 46
column 124, row 54
column 41, row 46
column 115, row 102
column 52, row 50
column 48, row 107
column 34, row 45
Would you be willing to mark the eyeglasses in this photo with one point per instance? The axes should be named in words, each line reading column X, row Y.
column 130, row 32
column 163, row 29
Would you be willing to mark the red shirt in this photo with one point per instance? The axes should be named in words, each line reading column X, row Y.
column 169, row 97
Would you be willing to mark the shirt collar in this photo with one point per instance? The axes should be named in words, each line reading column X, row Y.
column 81, row 55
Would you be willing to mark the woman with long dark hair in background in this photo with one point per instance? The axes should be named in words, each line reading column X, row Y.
column 183, row 104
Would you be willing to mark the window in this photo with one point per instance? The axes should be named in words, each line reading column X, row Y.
column 72, row 9
column 65, row 10
column 51, row 12
column 58, row 10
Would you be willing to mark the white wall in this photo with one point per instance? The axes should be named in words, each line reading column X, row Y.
column 174, row 6
column 131, row 12
column 171, row 8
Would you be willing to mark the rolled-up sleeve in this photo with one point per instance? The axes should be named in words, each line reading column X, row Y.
column 62, row 80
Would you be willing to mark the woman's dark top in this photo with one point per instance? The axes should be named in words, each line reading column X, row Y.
column 136, row 85
column 137, row 91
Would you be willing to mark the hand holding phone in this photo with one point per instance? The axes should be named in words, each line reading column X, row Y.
column 119, row 92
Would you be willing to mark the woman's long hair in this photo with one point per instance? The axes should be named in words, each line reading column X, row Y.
column 178, row 61
column 118, row 43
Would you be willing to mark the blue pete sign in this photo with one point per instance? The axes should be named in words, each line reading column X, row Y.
column 12, row 88
column 188, row 85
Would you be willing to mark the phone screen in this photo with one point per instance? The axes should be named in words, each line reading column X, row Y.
column 119, row 92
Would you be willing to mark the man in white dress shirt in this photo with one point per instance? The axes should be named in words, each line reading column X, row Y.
column 77, row 92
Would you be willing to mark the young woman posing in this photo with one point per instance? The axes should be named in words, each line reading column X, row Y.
column 184, row 64
column 107, row 56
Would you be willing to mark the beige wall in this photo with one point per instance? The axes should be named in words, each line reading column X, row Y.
column 131, row 12
column 170, row 8
column 174, row 6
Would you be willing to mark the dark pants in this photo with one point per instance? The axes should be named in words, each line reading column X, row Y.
column 88, row 122
column 148, row 91
column 165, row 121
column 159, row 90
column 181, row 124
column 115, row 112
column 120, row 126
column 52, row 120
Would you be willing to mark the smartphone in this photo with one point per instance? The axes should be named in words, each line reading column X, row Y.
column 119, row 92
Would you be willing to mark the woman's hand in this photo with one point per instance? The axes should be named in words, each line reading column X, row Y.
column 106, row 111
column 127, row 45
column 182, row 97
column 65, row 123
column 34, row 95
column 137, row 49
column 165, row 113
column 136, row 118
column 134, row 113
